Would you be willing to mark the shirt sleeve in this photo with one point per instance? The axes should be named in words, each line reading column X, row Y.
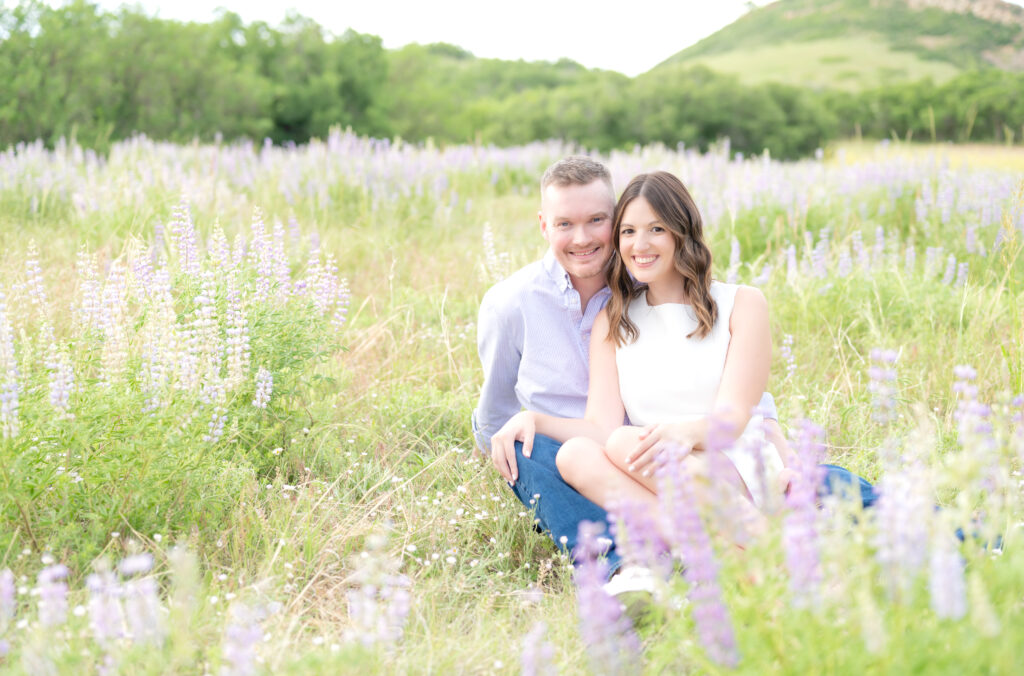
column 500, row 346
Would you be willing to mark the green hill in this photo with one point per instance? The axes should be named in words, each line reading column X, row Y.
column 858, row 44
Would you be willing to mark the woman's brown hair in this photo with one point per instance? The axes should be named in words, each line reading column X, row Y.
column 676, row 210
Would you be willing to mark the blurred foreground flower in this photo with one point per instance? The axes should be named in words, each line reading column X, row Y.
column 612, row 645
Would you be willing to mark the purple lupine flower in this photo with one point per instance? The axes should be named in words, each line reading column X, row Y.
column 947, row 277
column 215, row 426
column 113, row 324
column 142, row 610
column 792, row 269
column 261, row 254
column 786, row 352
column 692, row 545
column 881, row 387
column 961, row 274
column 241, row 636
column 910, row 258
column 106, row 616
column 282, row 271
column 819, row 255
column 637, row 537
column 860, row 250
column 538, row 655
column 237, row 330
column 136, row 564
column 845, row 265
column 219, row 251
column 764, row 277
column 799, row 527
column 932, row 255
column 971, row 238
column 264, row 387
column 946, row 582
column 88, row 311
column 62, row 378
column 8, row 600
column 612, row 645
column 878, row 250
column 10, row 422
column 183, row 235
column 378, row 609
column 34, row 280
column 902, row 517
column 973, row 424
column 52, row 591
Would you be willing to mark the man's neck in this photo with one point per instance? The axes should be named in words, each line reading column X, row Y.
column 587, row 288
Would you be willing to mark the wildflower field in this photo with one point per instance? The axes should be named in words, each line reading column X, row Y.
column 235, row 390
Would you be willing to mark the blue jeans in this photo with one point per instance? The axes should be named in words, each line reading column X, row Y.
column 560, row 508
column 844, row 483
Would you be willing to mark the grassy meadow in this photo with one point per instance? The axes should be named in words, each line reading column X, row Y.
column 237, row 382
column 851, row 63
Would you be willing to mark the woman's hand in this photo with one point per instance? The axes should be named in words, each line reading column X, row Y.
column 520, row 427
column 653, row 440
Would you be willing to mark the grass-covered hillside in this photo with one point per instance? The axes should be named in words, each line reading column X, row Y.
column 858, row 44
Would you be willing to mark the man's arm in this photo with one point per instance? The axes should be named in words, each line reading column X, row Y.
column 500, row 346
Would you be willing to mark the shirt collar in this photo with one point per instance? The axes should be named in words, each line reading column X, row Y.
column 556, row 272
column 561, row 278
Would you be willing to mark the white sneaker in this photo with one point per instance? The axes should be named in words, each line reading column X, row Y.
column 630, row 579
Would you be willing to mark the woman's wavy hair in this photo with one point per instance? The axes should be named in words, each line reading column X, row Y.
column 676, row 210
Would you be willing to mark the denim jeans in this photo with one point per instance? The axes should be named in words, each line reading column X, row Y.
column 844, row 483
column 559, row 508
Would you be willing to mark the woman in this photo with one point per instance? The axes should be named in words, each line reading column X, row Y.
column 685, row 357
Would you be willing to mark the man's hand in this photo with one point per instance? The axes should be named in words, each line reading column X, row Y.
column 520, row 427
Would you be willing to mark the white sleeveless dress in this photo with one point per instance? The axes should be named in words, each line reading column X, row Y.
column 665, row 377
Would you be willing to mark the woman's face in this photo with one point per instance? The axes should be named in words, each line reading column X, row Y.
column 646, row 245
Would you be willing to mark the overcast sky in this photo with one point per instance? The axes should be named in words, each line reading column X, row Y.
column 630, row 36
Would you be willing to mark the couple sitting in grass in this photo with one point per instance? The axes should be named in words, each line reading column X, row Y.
column 622, row 321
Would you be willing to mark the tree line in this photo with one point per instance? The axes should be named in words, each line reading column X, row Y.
column 100, row 76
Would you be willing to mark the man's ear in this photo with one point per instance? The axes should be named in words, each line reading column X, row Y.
column 543, row 224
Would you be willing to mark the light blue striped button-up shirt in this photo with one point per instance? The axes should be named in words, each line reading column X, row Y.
column 533, row 337
column 534, row 342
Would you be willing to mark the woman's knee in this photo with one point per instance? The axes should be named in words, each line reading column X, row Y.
column 621, row 443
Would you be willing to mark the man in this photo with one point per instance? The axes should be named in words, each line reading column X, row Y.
column 533, row 339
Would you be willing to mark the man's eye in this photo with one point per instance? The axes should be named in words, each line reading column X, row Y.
column 598, row 219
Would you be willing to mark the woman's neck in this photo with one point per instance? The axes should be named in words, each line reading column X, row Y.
column 667, row 291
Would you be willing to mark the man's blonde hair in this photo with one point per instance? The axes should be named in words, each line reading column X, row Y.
column 576, row 170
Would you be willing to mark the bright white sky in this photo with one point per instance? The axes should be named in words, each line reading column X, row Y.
column 630, row 36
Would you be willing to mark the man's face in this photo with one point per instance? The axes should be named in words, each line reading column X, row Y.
column 576, row 220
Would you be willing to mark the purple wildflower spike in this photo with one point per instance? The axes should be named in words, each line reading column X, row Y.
column 613, row 646
column 538, row 655
column 693, row 546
